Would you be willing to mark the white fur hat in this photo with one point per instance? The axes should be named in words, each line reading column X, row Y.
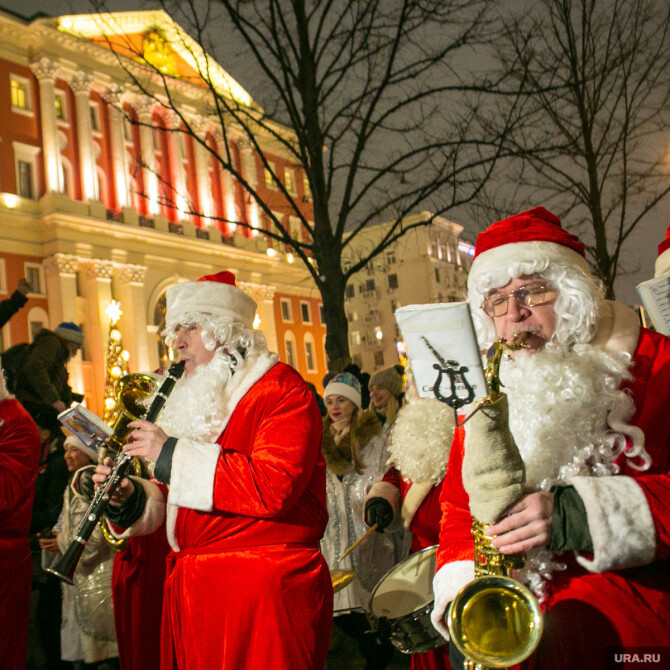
column 212, row 294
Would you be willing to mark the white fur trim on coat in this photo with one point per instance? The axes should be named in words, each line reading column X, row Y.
column 415, row 496
column 448, row 581
column 620, row 522
column 194, row 463
column 154, row 510
column 192, row 476
column 618, row 328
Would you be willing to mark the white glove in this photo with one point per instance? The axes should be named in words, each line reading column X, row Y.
column 448, row 581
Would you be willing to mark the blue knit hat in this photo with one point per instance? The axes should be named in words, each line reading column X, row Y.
column 345, row 385
column 71, row 332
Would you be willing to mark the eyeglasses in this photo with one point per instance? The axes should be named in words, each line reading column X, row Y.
column 531, row 295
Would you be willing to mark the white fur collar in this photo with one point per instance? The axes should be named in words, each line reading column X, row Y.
column 618, row 328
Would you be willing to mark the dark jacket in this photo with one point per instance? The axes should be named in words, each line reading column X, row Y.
column 11, row 306
column 43, row 377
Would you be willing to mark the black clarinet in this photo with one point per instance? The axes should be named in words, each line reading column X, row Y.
column 66, row 566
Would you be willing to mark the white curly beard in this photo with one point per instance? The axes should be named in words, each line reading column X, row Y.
column 194, row 408
column 421, row 439
column 567, row 413
column 568, row 417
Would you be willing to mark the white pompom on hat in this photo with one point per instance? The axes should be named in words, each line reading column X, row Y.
column 214, row 295
column 78, row 444
column 525, row 237
column 663, row 261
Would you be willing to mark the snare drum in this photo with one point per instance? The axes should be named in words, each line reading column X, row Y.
column 402, row 602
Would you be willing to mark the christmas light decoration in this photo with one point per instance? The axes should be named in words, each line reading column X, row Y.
column 116, row 364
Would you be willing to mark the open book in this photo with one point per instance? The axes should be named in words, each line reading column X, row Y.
column 442, row 348
column 655, row 297
column 88, row 427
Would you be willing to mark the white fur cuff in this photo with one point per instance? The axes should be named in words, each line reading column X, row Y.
column 620, row 522
column 154, row 510
column 448, row 581
column 192, row 475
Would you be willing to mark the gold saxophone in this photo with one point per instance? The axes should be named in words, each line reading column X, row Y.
column 494, row 621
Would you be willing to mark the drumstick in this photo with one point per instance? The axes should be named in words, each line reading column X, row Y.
column 365, row 535
column 428, row 554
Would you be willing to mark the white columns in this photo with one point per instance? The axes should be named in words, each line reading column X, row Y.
column 264, row 297
column 148, row 155
column 134, row 317
column 45, row 71
column 61, row 279
column 202, row 159
column 249, row 172
column 81, row 86
column 119, row 164
column 176, row 160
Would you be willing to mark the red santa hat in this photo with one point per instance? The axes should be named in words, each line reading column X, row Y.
column 525, row 237
column 663, row 260
column 214, row 295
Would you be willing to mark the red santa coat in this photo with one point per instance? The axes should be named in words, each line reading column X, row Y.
column 19, row 457
column 247, row 586
column 138, row 580
column 600, row 603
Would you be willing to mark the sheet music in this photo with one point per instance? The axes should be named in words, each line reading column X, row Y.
column 655, row 297
column 441, row 345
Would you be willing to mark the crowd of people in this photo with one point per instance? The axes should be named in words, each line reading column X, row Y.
column 256, row 495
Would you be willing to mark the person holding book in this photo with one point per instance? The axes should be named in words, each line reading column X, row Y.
column 588, row 425
column 87, row 627
column 240, row 481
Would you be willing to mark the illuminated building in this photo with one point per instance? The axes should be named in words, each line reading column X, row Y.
column 85, row 200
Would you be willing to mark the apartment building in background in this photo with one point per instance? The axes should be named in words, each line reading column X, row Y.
column 429, row 264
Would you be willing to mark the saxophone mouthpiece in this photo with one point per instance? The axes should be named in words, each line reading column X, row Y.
column 518, row 340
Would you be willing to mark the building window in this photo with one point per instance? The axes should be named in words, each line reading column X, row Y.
column 379, row 359
column 306, row 188
column 35, row 277
column 393, row 281
column 270, row 176
column 24, row 172
column 294, row 228
column 349, row 291
column 437, row 275
column 20, row 94
column 390, row 256
column 309, row 354
column 127, row 129
column 289, row 346
column 289, row 180
column 286, row 314
column 352, row 316
column 305, row 312
column 35, row 327
column 322, row 315
column 355, row 338
column 60, row 104
column 3, row 276
column 95, row 117
column 369, row 285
